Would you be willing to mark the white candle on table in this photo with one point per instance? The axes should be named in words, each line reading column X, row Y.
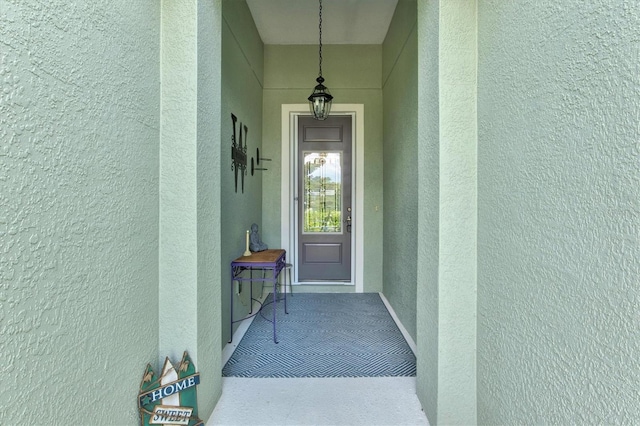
column 246, row 251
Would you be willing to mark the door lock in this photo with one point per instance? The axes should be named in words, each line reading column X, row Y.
column 348, row 222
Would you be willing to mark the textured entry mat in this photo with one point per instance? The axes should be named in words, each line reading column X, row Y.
column 324, row 335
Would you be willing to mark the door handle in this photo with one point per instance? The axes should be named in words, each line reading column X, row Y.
column 348, row 222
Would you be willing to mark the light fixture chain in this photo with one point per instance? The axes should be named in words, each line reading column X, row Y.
column 320, row 44
column 320, row 99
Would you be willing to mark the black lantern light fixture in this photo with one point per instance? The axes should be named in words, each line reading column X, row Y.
column 320, row 99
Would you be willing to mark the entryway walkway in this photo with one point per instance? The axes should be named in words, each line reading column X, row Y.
column 366, row 401
column 336, row 401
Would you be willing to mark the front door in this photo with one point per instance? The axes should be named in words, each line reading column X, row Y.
column 324, row 207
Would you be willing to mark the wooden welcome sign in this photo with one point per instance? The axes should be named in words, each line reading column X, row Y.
column 170, row 399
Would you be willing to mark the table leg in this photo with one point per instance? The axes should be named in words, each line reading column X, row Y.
column 284, row 289
column 275, row 303
column 231, row 319
column 251, row 290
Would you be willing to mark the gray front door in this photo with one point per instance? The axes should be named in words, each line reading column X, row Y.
column 324, row 207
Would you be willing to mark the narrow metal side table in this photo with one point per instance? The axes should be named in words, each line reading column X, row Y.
column 268, row 260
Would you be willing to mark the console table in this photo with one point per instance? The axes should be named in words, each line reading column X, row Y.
column 273, row 260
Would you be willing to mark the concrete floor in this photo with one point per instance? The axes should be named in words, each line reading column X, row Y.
column 369, row 401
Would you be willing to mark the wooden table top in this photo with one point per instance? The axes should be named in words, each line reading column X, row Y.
column 265, row 256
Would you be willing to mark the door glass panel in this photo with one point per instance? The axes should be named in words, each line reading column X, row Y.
column 322, row 192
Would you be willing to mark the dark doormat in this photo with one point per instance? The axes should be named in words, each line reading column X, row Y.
column 324, row 335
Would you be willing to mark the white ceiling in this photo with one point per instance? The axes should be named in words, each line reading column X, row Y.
column 343, row 21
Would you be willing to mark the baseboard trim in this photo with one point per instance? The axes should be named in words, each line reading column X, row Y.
column 229, row 348
column 403, row 330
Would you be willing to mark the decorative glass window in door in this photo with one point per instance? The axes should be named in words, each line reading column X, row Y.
column 322, row 192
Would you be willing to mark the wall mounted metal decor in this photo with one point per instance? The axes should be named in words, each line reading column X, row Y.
column 170, row 398
column 258, row 158
column 238, row 152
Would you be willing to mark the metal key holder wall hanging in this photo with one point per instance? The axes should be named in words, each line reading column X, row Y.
column 258, row 158
column 238, row 153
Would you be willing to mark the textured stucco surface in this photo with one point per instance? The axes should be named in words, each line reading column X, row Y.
column 79, row 130
column 178, row 180
column 447, row 248
column 458, row 214
column 559, row 212
column 427, row 323
column 189, row 285
column 242, row 62
column 400, row 94
column 353, row 75
column 208, row 357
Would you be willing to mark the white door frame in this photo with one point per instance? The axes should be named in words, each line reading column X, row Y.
column 288, row 204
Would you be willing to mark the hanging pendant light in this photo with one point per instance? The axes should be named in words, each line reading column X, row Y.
column 320, row 99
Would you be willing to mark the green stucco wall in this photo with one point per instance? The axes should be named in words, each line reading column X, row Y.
column 427, row 322
column 400, row 93
column 242, row 62
column 353, row 75
column 559, row 212
column 189, row 290
column 79, row 131
column 457, row 229
column 208, row 357
column 447, row 283
column 178, row 178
